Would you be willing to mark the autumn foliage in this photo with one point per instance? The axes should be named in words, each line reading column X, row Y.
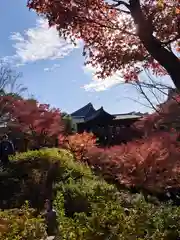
column 151, row 164
column 78, row 144
column 123, row 36
column 166, row 118
column 38, row 122
column 29, row 115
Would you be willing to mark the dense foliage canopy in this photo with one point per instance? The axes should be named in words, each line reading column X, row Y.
column 38, row 122
column 124, row 36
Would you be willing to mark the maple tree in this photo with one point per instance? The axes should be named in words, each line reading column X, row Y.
column 38, row 121
column 119, row 35
column 166, row 117
column 9, row 90
column 67, row 120
column 6, row 103
column 78, row 144
column 151, row 163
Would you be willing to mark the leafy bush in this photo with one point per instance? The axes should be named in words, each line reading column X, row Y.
column 166, row 118
column 128, row 219
column 29, row 176
column 78, row 144
column 32, row 175
column 21, row 224
column 151, row 163
column 90, row 208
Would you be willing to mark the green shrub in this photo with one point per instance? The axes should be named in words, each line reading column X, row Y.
column 109, row 220
column 90, row 208
column 21, row 224
column 31, row 176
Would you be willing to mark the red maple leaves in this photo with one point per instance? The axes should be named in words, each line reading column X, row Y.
column 166, row 118
column 37, row 121
column 118, row 36
column 30, row 116
column 151, row 163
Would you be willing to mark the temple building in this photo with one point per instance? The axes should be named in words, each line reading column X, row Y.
column 109, row 128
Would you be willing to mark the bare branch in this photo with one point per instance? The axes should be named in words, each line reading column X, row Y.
column 171, row 40
column 134, row 100
column 9, row 80
column 145, row 96
column 8, row 87
column 120, row 3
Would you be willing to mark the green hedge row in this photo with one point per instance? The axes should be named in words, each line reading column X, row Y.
column 87, row 206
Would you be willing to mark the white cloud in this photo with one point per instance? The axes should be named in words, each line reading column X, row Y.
column 39, row 43
column 99, row 85
column 52, row 68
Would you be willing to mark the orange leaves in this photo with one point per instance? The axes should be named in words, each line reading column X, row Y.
column 78, row 144
column 38, row 121
column 151, row 163
column 111, row 39
column 177, row 11
column 168, row 116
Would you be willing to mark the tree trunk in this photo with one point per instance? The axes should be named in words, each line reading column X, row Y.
column 166, row 58
column 155, row 48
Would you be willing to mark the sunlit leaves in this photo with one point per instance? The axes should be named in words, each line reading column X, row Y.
column 166, row 117
column 38, row 121
column 78, row 144
column 151, row 163
column 111, row 42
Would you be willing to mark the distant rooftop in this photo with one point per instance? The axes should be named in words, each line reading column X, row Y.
column 131, row 115
column 88, row 112
column 99, row 113
column 126, row 116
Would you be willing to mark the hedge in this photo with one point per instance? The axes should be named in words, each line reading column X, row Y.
column 87, row 206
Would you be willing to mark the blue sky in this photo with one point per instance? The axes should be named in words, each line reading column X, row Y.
column 53, row 69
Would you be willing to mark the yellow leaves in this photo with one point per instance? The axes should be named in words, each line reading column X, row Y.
column 78, row 144
column 178, row 46
column 177, row 11
column 161, row 4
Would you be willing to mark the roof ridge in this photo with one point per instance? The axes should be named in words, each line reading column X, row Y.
column 86, row 108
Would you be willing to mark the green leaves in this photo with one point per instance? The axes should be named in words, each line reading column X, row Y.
column 87, row 207
column 20, row 224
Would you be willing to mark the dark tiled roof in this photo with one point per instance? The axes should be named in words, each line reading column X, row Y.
column 99, row 113
column 87, row 110
column 89, row 113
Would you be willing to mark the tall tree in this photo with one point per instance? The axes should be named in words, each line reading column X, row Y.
column 9, row 81
column 10, row 90
column 67, row 123
column 120, row 35
column 39, row 122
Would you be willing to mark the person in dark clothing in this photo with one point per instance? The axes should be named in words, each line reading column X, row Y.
column 6, row 149
column 51, row 219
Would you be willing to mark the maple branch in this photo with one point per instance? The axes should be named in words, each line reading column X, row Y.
column 153, row 45
column 139, row 18
column 119, row 3
column 107, row 26
column 139, row 102
column 146, row 97
column 171, row 40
